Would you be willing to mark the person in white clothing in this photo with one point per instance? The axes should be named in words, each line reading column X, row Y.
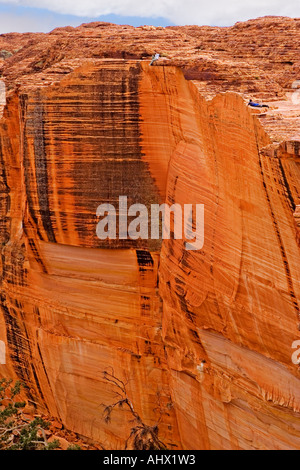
column 155, row 57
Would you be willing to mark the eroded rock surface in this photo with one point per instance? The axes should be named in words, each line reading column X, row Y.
column 205, row 337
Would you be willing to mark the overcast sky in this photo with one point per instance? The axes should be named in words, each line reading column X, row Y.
column 44, row 15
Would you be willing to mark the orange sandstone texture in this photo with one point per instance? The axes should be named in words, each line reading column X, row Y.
column 205, row 336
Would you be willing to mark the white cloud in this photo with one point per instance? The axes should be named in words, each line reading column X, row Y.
column 12, row 22
column 213, row 12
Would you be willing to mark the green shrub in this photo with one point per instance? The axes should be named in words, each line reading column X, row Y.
column 5, row 54
column 17, row 432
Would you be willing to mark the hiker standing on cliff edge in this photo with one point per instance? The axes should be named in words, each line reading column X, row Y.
column 155, row 57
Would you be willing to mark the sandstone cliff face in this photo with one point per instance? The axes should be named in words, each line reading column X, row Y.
column 205, row 335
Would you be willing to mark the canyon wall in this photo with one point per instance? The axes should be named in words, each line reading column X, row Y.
column 204, row 338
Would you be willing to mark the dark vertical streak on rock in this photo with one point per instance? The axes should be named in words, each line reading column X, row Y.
column 280, row 241
column 39, row 387
column 41, row 168
column 144, row 258
column 4, row 209
column 44, row 368
column 35, row 252
column 287, row 187
column 18, row 346
column 26, row 163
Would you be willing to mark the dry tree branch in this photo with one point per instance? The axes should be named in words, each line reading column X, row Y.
column 143, row 436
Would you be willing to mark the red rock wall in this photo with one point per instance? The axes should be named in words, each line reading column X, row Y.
column 73, row 310
column 72, row 307
column 230, row 312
